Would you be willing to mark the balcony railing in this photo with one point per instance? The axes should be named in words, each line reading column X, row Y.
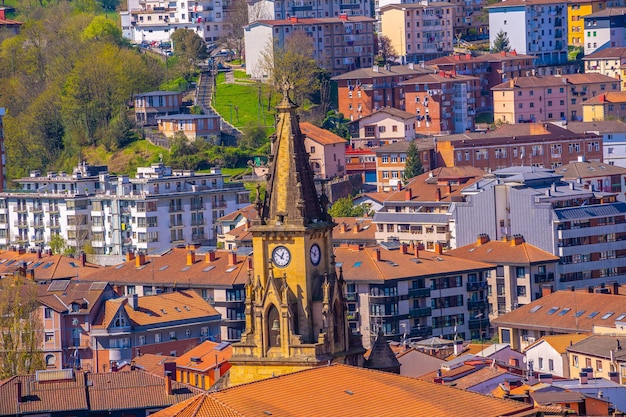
column 539, row 278
column 421, row 331
column 419, row 292
column 476, row 286
column 420, row 312
column 477, row 324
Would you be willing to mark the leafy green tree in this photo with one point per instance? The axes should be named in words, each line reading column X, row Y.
column 254, row 136
column 57, row 244
column 501, row 42
column 190, row 48
column 336, row 123
column 102, row 28
column 344, row 207
column 413, row 166
column 21, row 336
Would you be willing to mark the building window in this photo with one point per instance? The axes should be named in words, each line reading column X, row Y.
column 599, row 365
column 385, row 159
column 173, row 335
column 575, row 361
column 521, row 291
column 49, row 337
column 187, row 333
column 157, row 338
column 312, row 149
column 47, row 313
column 550, row 365
column 520, row 272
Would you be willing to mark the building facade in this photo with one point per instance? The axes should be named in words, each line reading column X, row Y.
column 605, row 29
column 157, row 209
column 3, row 159
column 605, row 107
column 281, row 9
column 613, row 138
column 609, row 62
column 390, row 164
column 327, row 151
column 150, row 106
column 385, row 126
column 193, row 126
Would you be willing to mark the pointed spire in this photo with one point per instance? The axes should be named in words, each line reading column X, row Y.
column 382, row 357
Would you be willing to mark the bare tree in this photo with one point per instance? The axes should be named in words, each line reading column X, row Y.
column 236, row 19
column 386, row 51
column 20, row 325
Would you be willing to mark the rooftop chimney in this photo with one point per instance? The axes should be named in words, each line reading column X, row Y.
column 140, row 260
column 616, row 288
column 517, row 240
column 232, row 258
column 416, row 250
column 293, row 19
column 18, row 386
column 130, row 256
column 168, row 383
column 133, row 301
column 438, row 248
column 482, row 239
column 356, row 228
column 343, row 227
column 614, row 376
column 38, row 253
column 438, row 194
column 408, row 194
column 404, row 248
column 343, row 16
column 582, row 378
column 546, row 290
column 83, row 259
column 250, row 268
column 458, row 347
column 210, row 256
column 449, row 189
column 191, row 257
column 377, row 254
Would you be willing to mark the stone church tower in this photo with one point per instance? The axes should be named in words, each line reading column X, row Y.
column 296, row 312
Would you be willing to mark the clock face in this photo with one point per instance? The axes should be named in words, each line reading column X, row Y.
column 281, row 256
column 316, row 254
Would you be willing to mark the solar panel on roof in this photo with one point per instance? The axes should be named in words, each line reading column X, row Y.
column 392, row 245
column 59, row 285
column 120, row 266
column 163, row 268
column 208, row 268
column 97, row 286
column 221, row 346
column 185, row 269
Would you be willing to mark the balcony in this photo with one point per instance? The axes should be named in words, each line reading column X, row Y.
column 420, row 312
column 53, row 225
column 352, row 296
column 22, row 224
column 53, row 209
column 419, row 292
column 476, row 286
column 198, row 236
column 421, row 332
column 539, row 278
column 477, row 305
column 220, row 203
column 37, row 209
column 19, row 209
column 477, row 324
column 37, row 225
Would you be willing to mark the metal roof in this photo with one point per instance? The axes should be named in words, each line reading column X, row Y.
column 584, row 212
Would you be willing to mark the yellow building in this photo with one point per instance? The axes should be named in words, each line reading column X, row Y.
column 296, row 312
column 606, row 106
column 575, row 12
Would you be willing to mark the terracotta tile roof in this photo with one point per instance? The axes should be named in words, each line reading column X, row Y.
column 395, row 70
column 60, row 294
column 150, row 363
column 481, row 376
column 575, row 170
column 136, row 389
column 319, row 135
column 493, row 57
column 589, row 78
column 604, row 126
column 535, row 314
column 240, row 234
column 560, row 342
column 198, row 406
column 437, row 79
column 401, row 146
column 522, row 132
column 608, row 12
column 392, row 111
column 424, row 186
column 354, row 229
column 530, row 82
column 341, row 390
column 503, row 252
column 43, row 397
column 247, row 212
column 612, row 97
column 312, row 21
column 157, row 309
column 209, row 356
column 46, row 267
column 601, row 346
column 379, row 197
column 513, row 3
column 171, row 269
column 448, row 375
column 361, row 265
column 615, row 52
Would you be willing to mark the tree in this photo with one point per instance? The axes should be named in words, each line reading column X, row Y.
column 501, row 42
column 292, row 63
column 102, row 28
column 386, row 50
column 344, row 207
column 190, row 48
column 21, row 329
column 413, row 166
column 57, row 244
column 254, row 136
column 236, row 19
column 336, row 123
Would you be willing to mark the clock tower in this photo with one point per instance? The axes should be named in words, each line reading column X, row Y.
column 296, row 312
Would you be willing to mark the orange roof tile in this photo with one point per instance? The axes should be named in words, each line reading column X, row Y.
column 321, row 136
column 248, row 212
column 341, row 390
column 150, row 363
column 208, row 356
column 46, row 267
column 157, row 309
column 354, row 229
column 503, row 252
column 198, row 406
column 560, row 342
column 612, row 97
column 585, row 310
column 61, row 293
column 423, row 186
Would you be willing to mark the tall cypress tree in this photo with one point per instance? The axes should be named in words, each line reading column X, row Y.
column 413, row 165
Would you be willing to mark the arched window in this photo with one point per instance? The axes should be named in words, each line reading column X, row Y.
column 51, row 361
column 273, row 327
column 120, row 320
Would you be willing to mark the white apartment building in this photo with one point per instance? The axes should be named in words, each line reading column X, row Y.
column 157, row 209
column 533, row 27
column 155, row 20
column 605, row 29
column 282, row 9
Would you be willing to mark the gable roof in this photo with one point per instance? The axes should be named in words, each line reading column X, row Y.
column 44, row 266
column 560, row 342
column 353, row 230
column 610, row 97
column 601, row 346
column 575, row 170
column 604, row 126
column 60, row 294
column 340, row 390
column 535, row 315
column 503, row 252
column 209, row 354
column 321, row 136
column 150, row 363
column 613, row 52
column 158, row 309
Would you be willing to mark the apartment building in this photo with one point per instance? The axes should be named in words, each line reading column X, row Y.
column 613, row 138
column 158, row 208
column 586, row 228
column 362, row 161
column 281, row 9
column 521, row 270
column 601, row 176
column 492, row 69
column 327, row 151
column 387, row 125
column 609, row 62
column 421, row 212
column 156, row 21
column 443, row 103
column 526, row 144
column 149, row 106
column 534, row 27
column 561, row 97
column 367, row 90
column 419, row 32
column 390, row 163
column 577, row 10
column 604, row 107
column 194, row 126
column 604, row 29
column 3, row 160
column 341, row 44
column 401, row 290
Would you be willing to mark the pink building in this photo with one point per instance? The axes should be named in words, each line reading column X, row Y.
column 327, row 151
column 194, row 126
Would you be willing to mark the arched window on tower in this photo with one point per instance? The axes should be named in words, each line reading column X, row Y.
column 273, row 327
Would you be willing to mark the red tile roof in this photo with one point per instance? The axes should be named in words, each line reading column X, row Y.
column 209, row 357
column 321, row 136
column 503, row 252
column 46, row 267
column 60, row 294
column 424, row 186
column 612, row 97
column 150, row 363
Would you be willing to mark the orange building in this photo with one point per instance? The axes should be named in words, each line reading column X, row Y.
column 203, row 365
column 194, row 126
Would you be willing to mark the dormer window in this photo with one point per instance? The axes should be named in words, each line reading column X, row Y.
column 120, row 320
column 74, row 307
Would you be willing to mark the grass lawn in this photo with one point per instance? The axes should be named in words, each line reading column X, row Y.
column 125, row 161
column 246, row 99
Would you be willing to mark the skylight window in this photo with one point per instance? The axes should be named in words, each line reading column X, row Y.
column 177, row 309
column 535, row 309
column 231, row 269
column 357, row 264
column 553, row 310
column 48, row 265
column 185, row 269
column 620, row 317
column 564, row 311
column 120, row 266
column 73, row 265
column 579, row 313
column 37, row 264
column 163, row 268
column 607, row 315
column 163, row 311
column 10, row 262
column 208, row 268
column 593, row 314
